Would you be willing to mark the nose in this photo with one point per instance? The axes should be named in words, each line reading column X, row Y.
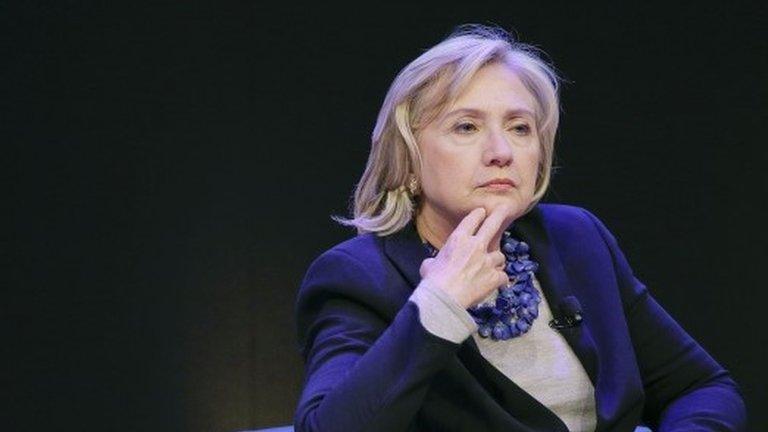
column 498, row 150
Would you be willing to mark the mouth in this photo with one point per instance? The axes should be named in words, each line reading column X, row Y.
column 498, row 184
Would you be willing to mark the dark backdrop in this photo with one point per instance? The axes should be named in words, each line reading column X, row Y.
column 172, row 166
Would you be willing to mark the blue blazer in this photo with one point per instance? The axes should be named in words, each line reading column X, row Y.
column 371, row 365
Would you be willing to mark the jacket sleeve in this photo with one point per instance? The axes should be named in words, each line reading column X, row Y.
column 685, row 388
column 361, row 371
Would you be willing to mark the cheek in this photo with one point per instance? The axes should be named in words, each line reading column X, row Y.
column 444, row 168
column 441, row 176
column 532, row 168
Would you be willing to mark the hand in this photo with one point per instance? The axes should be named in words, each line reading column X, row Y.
column 464, row 268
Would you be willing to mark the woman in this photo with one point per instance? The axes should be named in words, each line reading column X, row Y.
column 464, row 304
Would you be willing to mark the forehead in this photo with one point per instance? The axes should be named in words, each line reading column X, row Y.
column 494, row 87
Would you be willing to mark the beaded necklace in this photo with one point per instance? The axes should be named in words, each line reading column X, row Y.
column 517, row 303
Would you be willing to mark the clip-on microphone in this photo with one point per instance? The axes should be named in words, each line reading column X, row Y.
column 570, row 314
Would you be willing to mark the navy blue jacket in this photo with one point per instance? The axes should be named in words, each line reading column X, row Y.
column 371, row 365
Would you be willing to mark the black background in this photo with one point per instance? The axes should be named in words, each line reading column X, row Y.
column 172, row 166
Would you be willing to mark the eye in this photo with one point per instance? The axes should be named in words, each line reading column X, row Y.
column 521, row 129
column 465, row 128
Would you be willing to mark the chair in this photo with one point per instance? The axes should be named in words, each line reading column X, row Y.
column 273, row 429
column 290, row 429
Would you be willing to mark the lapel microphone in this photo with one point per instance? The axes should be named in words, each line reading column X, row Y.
column 570, row 314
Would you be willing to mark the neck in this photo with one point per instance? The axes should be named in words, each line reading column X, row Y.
column 435, row 229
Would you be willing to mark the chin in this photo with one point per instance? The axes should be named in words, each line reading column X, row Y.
column 491, row 203
column 515, row 205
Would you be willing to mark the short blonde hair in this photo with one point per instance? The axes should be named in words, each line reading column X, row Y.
column 383, row 203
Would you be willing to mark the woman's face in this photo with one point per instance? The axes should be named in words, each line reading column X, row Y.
column 482, row 151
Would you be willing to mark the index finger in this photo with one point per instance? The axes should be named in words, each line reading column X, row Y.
column 492, row 223
column 471, row 221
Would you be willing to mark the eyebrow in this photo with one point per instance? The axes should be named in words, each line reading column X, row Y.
column 516, row 112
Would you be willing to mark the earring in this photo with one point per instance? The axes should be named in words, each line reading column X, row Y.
column 413, row 185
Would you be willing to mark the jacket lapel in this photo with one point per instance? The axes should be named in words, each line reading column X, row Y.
column 556, row 286
column 405, row 250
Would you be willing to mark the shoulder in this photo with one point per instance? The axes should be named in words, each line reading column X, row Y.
column 564, row 217
column 358, row 252
column 353, row 267
column 569, row 226
column 363, row 247
column 353, row 277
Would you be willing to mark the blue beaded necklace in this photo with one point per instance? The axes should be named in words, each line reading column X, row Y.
column 517, row 303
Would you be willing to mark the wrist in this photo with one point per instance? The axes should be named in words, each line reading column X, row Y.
column 448, row 291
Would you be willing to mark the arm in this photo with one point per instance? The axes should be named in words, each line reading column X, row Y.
column 361, row 373
column 685, row 388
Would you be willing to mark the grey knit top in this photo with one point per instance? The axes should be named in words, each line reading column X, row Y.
column 539, row 361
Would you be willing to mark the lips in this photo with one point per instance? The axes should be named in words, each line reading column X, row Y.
column 499, row 182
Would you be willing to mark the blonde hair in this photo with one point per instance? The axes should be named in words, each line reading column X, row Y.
column 383, row 203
